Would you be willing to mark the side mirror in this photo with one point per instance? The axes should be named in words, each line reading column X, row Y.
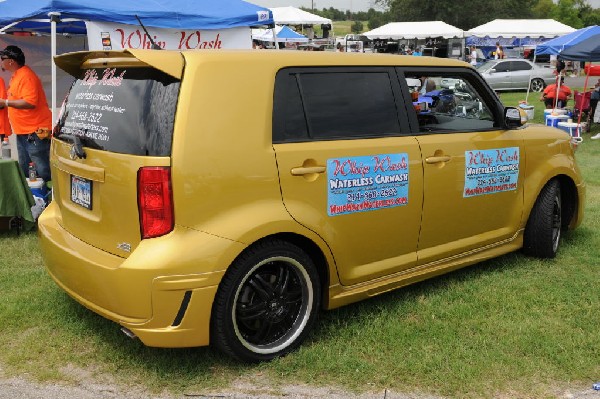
column 492, row 70
column 512, row 118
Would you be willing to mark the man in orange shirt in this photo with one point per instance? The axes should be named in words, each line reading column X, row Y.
column 552, row 99
column 28, row 111
column 5, row 129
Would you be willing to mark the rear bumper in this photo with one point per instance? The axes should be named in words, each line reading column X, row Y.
column 144, row 292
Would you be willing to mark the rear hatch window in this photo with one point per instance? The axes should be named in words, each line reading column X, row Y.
column 115, row 121
column 124, row 110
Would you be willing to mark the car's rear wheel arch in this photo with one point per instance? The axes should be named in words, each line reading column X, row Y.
column 246, row 287
column 314, row 252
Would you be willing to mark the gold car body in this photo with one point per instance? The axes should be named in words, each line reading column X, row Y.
column 232, row 186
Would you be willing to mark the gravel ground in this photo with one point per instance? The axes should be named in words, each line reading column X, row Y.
column 21, row 388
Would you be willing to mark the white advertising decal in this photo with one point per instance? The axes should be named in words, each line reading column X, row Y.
column 112, row 36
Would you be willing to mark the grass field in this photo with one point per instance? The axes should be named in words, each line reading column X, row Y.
column 341, row 28
column 513, row 327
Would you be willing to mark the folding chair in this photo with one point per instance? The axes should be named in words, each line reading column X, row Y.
column 581, row 111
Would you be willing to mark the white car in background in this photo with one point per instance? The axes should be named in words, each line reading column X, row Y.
column 516, row 74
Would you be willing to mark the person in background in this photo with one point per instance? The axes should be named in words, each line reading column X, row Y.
column 473, row 56
column 550, row 95
column 500, row 53
column 5, row 129
column 497, row 51
column 427, row 85
column 593, row 103
column 28, row 112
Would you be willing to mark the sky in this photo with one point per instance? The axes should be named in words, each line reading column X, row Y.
column 352, row 5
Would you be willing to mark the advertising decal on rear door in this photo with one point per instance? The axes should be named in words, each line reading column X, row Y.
column 367, row 183
column 491, row 171
column 87, row 107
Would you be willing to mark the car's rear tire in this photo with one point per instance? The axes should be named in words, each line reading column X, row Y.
column 543, row 230
column 267, row 302
column 537, row 85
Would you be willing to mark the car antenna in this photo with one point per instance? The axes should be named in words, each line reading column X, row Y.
column 154, row 46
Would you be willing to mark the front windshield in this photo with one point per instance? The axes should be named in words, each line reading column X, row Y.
column 486, row 66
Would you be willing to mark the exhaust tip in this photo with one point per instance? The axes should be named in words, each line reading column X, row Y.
column 128, row 332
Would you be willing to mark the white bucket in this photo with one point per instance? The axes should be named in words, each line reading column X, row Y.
column 574, row 129
column 37, row 187
column 529, row 110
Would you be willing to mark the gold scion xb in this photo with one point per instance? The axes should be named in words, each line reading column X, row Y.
column 228, row 197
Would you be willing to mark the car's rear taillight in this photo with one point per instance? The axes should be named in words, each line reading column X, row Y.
column 155, row 201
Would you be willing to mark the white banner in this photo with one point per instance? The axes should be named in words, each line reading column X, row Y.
column 112, row 36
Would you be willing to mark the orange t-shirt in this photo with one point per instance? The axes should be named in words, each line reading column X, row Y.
column 563, row 92
column 25, row 85
column 4, row 122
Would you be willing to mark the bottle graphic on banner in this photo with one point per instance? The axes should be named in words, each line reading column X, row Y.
column 32, row 172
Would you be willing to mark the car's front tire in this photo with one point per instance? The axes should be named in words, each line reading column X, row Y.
column 537, row 85
column 267, row 302
column 543, row 230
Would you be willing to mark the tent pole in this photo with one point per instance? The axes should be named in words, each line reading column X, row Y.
column 585, row 85
column 275, row 37
column 530, row 72
column 54, row 18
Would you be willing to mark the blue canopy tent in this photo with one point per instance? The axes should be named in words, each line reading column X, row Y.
column 558, row 45
column 583, row 45
column 288, row 35
column 284, row 34
column 67, row 16
column 586, row 50
column 182, row 14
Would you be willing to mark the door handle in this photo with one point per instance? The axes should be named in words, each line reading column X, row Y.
column 307, row 170
column 439, row 159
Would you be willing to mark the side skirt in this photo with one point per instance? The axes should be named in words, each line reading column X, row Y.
column 343, row 295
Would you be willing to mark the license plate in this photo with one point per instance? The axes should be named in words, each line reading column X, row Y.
column 81, row 191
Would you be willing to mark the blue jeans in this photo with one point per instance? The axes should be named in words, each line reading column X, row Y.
column 32, row 149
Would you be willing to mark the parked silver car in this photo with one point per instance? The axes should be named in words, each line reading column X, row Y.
column 516, row 74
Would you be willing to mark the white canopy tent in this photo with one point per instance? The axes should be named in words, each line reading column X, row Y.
column 415, row 30
column 296, row 16
column 521, row 28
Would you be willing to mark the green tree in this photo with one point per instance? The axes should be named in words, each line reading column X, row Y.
column 457, row 13
column 357, row 27
column 567, row 12
column 375, row 21
column 543, row 9
column 589, row 16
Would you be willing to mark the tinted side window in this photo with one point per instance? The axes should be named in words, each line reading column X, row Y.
column 502, row 67
column 520, row 66
column 334, row 105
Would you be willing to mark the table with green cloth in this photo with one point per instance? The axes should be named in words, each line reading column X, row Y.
column 16, row 199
